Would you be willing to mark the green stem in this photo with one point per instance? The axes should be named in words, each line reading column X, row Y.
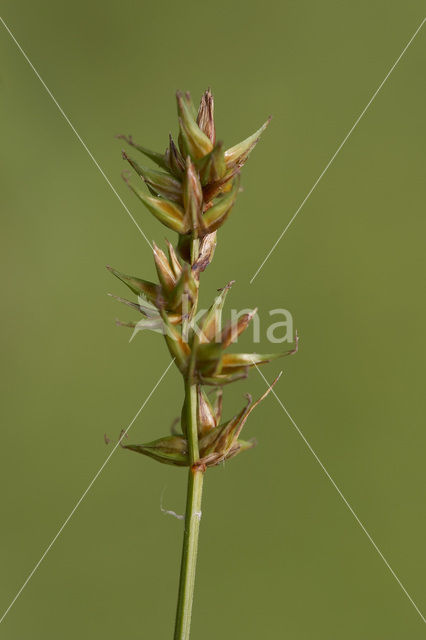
column 189, row 554
column 193, row 503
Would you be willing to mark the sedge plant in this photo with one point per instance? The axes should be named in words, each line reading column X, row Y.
column 192, row 191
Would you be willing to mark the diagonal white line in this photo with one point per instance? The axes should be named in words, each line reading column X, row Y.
column 85, row 492
column 74, row 130
column 341, row 495
column 330, row 162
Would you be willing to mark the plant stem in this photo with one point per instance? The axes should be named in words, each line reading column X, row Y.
column 193, row 502
column 192, row 520
column 189, row 554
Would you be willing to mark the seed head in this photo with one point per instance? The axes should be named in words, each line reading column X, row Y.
column 192, row 192
column 198, row 186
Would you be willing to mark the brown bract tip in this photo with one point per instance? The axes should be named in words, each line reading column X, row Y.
column 227, row 286
column 123, row 434
column 128, row 139
column 296, row 348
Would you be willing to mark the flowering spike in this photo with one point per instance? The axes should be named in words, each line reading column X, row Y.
column 193, row 194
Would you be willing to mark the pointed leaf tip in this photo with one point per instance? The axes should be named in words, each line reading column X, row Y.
column 156, row 157
column 237, row 155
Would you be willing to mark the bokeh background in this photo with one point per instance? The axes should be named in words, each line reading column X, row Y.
column 280, row 553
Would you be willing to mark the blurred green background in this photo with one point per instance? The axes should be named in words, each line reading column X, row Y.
column 280, row 554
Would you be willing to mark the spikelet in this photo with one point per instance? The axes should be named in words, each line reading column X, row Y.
column 192, row 192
